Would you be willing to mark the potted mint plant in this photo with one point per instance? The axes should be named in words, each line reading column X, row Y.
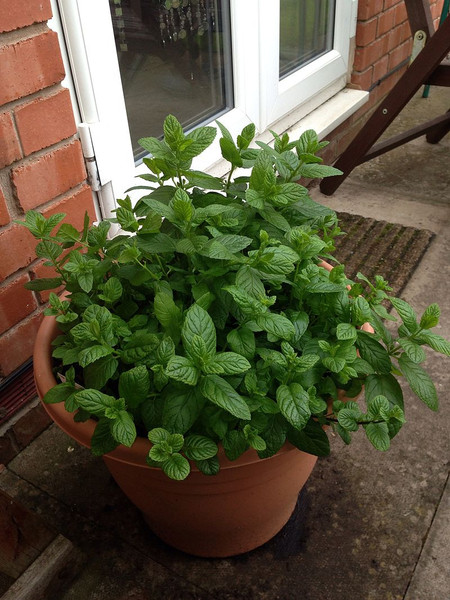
column 207, row 349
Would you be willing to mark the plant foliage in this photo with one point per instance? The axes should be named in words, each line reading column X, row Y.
column 211, row 318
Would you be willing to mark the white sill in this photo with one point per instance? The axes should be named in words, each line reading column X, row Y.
column 324, row 119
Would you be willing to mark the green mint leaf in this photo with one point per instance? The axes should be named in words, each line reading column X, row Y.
column 245, row 301
column 348, row 419
column 436, row 342
column 287, row 194
column 182, row 206
column 44, row 283
column 48, row 249
column 134, row 385
column 111, row 290
column 93, row 353
column 406, row 313
column 234, row 444
column 173, row 132
column 242, row 341
column 230, row 363
column 102, row 440
column 414, row 352
column 95, row 402
column 430, row 317
column 210, row 466
column 167, row 312
column 378, row 435
column 248, row 281
column 306, row 362
column 176, row 467
column 155, row 243
column 378, row 407
column 205, row 181
column 419, row 381
column 68, row 234
column 123, row 429
column 274, row 435
column 98, row 373
column 346, row 331
column 373, row 352
column 199, row 447
column 182, row 369
column 313, row 171
column 201, row 138
column 139, row 346
column 311, row 439
column 59, row 393
column 158, row 435
column 384, row 385
column 181, row 408
column 230, row 152
column 219, row 392
column 293, row 402
column 197, row 322
column 277, row 325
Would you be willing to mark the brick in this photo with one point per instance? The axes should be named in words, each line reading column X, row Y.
column 400, row 13
column 45, row 121
column 31, row 425
column 364, row 79
column 74, row 206
column 390, row 3
column 8, row 448
column 386, row 22
column 380, row 68
column 399, row 54
column 367, row 56
column 48, row 176
column 9, row 144
column 16, row 303
column 16, row 346
column 4, row 214
column 16, row 249
column 22, row 13
column 29, row 66
column 366, row 32
column 369, row 8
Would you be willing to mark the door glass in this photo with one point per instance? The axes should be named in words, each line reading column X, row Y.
column 174, row 57
column 306, row 32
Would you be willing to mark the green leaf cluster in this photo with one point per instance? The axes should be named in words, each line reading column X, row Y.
column 212, row 320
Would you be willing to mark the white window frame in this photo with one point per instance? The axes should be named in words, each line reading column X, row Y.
column 259, row 95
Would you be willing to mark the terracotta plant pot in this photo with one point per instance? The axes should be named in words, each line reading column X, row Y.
column 239, row 509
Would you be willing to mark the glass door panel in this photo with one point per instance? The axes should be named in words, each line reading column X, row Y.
column 174, row 57
column 306, row 32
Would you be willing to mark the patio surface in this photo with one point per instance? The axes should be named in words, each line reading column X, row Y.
column 370, row 526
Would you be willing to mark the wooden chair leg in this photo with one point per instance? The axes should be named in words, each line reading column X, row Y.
column 418, row 73
column 436, row 134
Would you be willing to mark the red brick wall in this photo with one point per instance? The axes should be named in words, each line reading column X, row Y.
column 383, row 41
column 41, row 165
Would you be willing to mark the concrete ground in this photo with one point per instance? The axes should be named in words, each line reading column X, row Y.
column 370, row 526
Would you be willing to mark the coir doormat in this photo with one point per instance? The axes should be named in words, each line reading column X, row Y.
column 380, row 248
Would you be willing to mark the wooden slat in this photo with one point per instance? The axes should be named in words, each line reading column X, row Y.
column 47, row 574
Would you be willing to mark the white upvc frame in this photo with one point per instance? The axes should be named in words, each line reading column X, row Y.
column 259, row 95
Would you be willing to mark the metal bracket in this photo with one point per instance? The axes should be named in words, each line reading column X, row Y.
column 419, row 41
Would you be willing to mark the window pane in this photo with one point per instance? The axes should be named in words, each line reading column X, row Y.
column 306, row 32
column 174, row 57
